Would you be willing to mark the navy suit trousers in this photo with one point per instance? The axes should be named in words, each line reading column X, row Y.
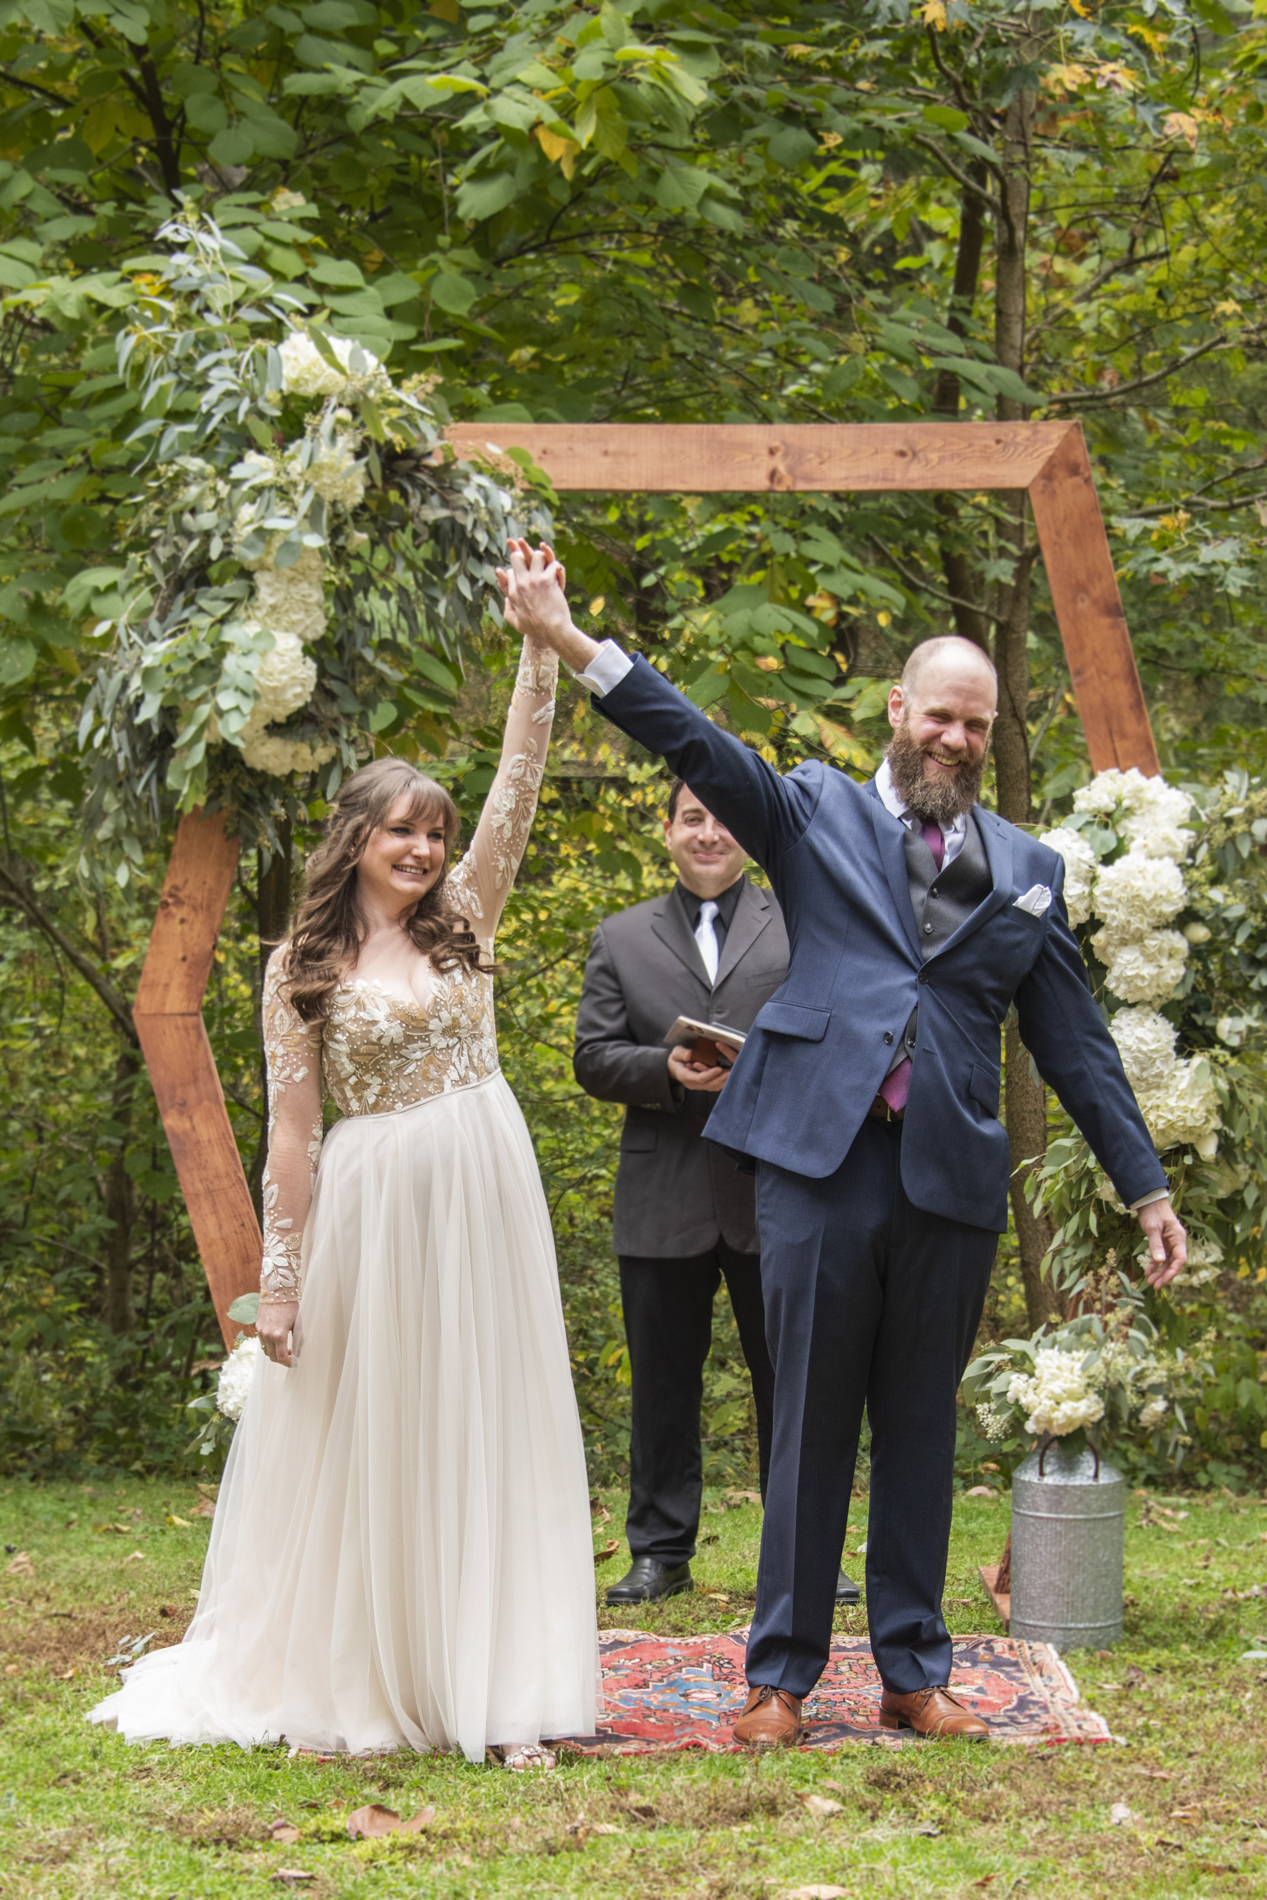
column 869, row 1300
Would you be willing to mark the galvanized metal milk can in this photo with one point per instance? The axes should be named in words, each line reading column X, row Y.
column 1068, row 1524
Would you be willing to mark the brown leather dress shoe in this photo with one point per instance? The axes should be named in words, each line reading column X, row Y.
column 934, row 1714
column 771, row 1718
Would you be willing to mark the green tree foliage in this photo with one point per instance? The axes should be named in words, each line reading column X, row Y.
column 646, row 211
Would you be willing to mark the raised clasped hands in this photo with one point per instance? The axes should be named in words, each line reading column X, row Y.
column 277, row 1329
column 533, row 594
column 693, row 1075
column 1167, row 1242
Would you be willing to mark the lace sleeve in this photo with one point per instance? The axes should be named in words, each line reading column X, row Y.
column 293, row 1051
column 480, row 884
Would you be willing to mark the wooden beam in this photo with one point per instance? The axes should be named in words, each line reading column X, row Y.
column 745, row 458
column 1088, row 606
column 168, row 1017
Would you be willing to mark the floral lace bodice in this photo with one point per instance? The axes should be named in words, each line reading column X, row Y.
column 377, row 1052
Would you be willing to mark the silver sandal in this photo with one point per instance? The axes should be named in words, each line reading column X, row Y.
column 521, row 1757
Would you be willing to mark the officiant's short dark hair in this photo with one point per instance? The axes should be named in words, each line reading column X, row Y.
column 676, row 790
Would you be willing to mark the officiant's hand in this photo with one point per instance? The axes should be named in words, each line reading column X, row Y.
column 684, row 1069
column 277, row 1328
column 1167, row 1242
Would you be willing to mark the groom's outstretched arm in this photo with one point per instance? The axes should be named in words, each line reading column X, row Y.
column 764, row 811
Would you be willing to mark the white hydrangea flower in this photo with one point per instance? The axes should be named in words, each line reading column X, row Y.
column 284, row 680
column 1056, row 1394
column 994, row 1424
column 305, row 371
column 1205, row 1261
column 1103, row 795
column 236, row 1373
column 336, row 474
column 271, row 752
column 1153, row 1414
column 292, row 599
column 1137, row 894
column 1146, row 1044
column 1080, row 869
column 1185, row 1108
column 1146, row 971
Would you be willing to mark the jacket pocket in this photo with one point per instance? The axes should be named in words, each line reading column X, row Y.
column 638, row 1138
column 792, row 1019
column 983, row 1087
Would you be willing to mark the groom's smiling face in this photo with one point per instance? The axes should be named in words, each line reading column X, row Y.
column 942, row 719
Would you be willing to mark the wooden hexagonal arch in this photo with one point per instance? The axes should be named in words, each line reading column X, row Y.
column 1048, row 459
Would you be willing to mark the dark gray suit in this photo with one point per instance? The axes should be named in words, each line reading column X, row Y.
column 684, row 1216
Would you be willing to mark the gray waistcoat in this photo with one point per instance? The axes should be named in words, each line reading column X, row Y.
column 942, row 900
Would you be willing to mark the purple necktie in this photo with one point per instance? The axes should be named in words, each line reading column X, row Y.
column 896, row 1085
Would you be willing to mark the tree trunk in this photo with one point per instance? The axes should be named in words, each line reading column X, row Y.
column 118, row 1193
column 1026, row 1101
column 272, row 919
column 970, row 618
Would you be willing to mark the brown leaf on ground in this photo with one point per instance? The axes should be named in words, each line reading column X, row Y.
column 211, row 1491
column 417, row 1822
column 21, row 1566
column 283, row 1831
column 1158, row 1774
column 122, row 1530
column 817, row 1893
column 744, row 1497
column 820, row 1807
column 168, row 1609
column 291, row 1876
column 204, row 1508
column 981, row 1491
column 137, row 1557
column 607, row 1550
column 373, row 1822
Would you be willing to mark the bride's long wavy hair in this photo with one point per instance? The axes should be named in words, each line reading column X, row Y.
column 327, row 927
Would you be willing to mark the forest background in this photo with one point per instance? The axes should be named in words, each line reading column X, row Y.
column 642, row 212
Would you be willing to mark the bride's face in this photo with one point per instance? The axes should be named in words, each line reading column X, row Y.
column 403, row 857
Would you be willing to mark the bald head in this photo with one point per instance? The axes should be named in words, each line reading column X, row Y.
column 951, row 649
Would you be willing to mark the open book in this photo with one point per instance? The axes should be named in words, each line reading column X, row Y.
column 711, row 1044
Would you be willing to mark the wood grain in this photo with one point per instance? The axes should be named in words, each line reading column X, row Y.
column 1088, row 606
column 190, row 911
column 168, row 1017
column 191, row 1103
column 703, row 458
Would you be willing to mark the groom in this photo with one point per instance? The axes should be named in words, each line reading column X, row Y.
column 867, row 1097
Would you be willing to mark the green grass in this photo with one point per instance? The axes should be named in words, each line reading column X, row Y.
column 82, row 1813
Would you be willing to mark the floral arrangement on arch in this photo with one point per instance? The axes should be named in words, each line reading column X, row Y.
column 309, row 559
column 1166, row 887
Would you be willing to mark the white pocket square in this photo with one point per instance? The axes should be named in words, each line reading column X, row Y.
column 1035, row 900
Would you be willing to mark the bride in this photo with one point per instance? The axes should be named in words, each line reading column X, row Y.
column 401, row 1553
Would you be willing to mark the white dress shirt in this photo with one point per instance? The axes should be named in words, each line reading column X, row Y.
column 610, row 665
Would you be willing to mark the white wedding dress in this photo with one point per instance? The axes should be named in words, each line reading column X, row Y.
column 401, row 1554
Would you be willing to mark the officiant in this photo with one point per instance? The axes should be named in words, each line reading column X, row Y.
column 713, row 948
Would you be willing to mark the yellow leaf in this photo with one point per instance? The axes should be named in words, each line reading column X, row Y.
column 182, row 1522
column 1083, row 12
column 563, row 152
column 1181, row 125
column 933, row 13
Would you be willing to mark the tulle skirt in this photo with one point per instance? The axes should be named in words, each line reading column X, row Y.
column 401, row 1553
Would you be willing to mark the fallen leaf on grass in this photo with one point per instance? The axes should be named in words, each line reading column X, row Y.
column 985, row 1880
column 373, row 1822
column 167, row 1609
column 69, row 1676
column 13, row 1669
column 1158, row 1774
column 832, row 1784
column 137, row 1557
column 817, row 1893
column 182, row 1523
column 981, row 1491
column 204, row 1508
column 291, row 1876
column 1120, row 1814
column 21, row 1566
column 820, row 1807
column 606, row 1550
column 121, row 1530
column 284, row 1832
column 749, row 1497
column 1191, row 1817
column 930, row 1829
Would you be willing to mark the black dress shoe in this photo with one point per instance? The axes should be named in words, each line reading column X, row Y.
column 847, row 1592
column 647, row 1579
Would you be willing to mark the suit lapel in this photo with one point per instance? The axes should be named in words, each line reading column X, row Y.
column 889, row 832
column 752, row 914
column 669, row 925
column 997, row 838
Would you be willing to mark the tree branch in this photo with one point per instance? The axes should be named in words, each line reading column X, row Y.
column 1141, row 382
column 26, row 900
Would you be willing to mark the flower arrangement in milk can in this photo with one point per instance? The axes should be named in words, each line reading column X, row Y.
column 308, row 558
column 1166, row 887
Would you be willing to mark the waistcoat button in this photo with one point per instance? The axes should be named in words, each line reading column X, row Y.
column 888, row 1035
column 928, row 930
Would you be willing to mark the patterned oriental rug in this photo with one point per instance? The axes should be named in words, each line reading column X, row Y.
column 685, row 1692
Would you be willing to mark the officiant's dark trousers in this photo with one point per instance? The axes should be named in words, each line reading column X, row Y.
column 668, row 1307
column 869, row 1300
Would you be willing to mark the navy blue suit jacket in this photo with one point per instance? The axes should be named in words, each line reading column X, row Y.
column 817, row 1052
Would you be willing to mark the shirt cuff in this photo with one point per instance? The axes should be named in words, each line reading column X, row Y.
column 606, row 670
column 1158, row 1194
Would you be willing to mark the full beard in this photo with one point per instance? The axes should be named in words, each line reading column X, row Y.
column 943, row 799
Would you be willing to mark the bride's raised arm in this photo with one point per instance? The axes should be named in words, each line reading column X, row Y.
column 480, row 884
